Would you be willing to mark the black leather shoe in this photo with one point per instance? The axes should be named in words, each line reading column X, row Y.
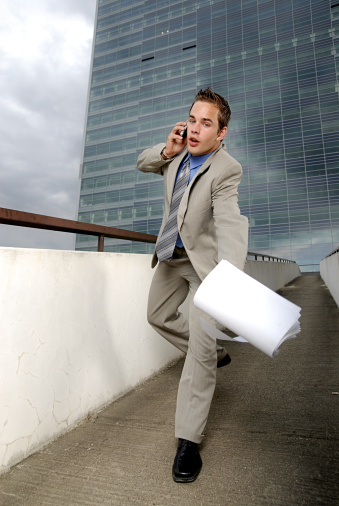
column 224, row 361
column 187, row 463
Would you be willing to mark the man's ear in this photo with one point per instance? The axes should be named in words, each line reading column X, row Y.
column 222, row 134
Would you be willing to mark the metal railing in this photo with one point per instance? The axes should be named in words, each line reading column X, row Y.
column 31, row 220
column 269, row 258
column 23, row 219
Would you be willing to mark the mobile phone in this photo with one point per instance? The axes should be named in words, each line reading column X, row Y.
column 183, row 133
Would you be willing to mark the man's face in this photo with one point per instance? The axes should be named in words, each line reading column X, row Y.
column 203, row 134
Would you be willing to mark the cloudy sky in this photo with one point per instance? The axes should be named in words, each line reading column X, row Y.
column 45, row 52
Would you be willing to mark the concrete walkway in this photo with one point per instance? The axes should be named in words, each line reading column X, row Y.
column 272, row 435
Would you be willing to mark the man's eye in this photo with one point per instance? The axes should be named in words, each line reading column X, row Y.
column 191, row 121
column 206, row 124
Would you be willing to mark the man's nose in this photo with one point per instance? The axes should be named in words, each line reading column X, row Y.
column 195, row 128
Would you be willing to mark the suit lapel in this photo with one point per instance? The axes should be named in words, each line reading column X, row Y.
column 171, row 182
column 204, row 168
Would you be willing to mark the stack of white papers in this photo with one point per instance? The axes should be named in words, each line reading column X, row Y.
column 246, row 307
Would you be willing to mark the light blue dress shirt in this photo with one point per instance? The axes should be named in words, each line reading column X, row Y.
column 195, row 164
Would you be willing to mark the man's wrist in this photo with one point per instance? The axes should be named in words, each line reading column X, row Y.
column 164, row 155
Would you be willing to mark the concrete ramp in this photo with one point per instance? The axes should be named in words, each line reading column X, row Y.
column 271, row 437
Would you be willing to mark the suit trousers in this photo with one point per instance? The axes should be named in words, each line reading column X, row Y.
column 172, row 282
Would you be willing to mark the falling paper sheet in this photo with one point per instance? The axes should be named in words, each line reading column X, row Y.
column 248, row 308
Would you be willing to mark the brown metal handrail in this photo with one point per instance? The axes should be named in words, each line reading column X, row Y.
column 31, row 220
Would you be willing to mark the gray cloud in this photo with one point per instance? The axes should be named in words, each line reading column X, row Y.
column 44, row 66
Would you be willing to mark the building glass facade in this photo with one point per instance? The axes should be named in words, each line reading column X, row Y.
column 276, row 62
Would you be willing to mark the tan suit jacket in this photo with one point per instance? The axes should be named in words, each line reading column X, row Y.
column 209, row 220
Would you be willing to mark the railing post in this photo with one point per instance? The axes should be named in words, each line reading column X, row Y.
column 101, row 240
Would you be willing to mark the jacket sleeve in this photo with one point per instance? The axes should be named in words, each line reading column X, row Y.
column 150, row 160
column 231, row 227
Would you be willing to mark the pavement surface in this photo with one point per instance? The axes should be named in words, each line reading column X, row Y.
column 271, row 438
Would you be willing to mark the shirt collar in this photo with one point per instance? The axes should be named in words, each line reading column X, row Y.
column 197, row 161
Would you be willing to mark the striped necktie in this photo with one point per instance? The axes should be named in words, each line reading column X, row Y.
column 166, row 242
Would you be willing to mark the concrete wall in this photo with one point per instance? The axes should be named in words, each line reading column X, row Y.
column 272, row 274
column 329, row 271
column 74, row 337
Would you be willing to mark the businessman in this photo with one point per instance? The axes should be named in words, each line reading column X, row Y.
column 201, row 225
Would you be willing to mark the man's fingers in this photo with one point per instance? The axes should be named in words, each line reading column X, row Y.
column 179, row 127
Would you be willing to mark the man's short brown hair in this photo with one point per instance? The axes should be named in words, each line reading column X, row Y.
column 210, row 96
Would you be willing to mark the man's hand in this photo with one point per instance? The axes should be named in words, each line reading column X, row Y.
column 175, row 143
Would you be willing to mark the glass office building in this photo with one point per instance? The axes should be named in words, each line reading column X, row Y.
column 277, row 64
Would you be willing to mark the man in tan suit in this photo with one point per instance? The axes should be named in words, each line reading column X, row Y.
column 202, row 225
